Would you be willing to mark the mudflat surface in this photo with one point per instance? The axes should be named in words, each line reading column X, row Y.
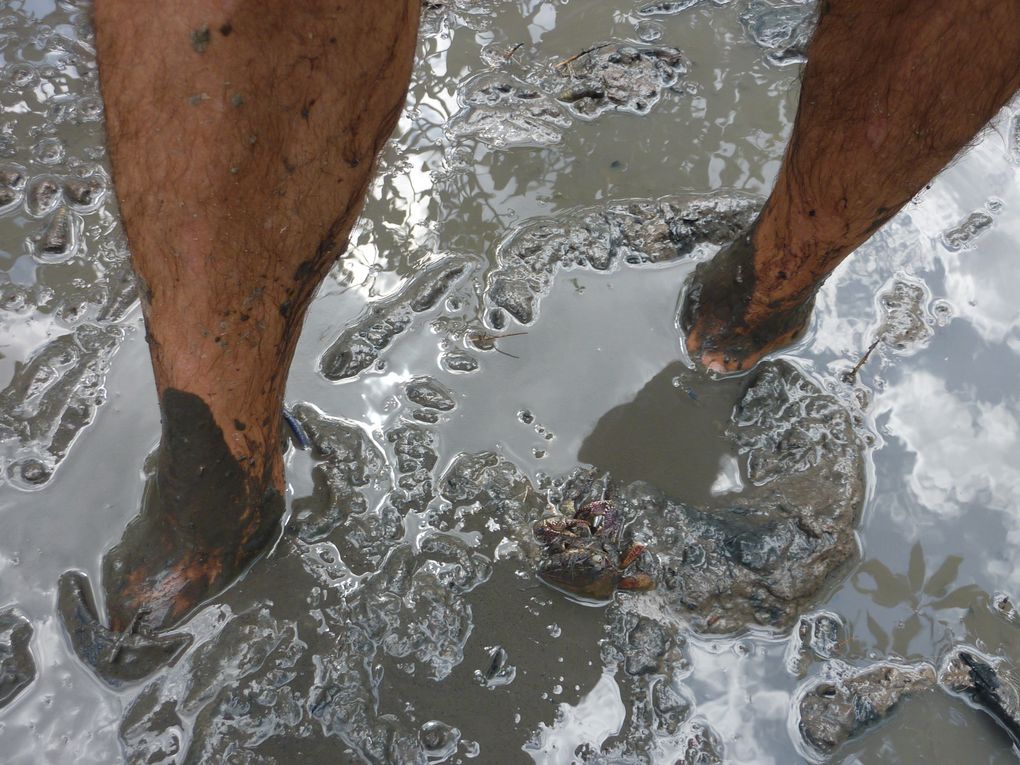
column 506, row 315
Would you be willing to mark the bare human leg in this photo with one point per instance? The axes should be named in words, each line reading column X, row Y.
column 892, row 91
column 243, row 136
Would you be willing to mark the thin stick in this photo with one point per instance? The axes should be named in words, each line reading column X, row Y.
column 119, row 644
column 582, row 53
column 864, row 358
column 510, row 53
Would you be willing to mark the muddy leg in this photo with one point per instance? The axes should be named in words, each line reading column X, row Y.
column 242, row 136
column 891, row 92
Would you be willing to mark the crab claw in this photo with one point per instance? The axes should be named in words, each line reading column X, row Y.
column 635, row 552
column 116, row 658
column 639, row 582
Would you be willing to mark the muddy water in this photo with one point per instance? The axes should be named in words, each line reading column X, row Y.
column 399, row 617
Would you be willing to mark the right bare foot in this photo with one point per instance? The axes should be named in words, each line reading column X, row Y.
column 729, row 327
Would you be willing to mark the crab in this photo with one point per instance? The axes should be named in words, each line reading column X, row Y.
column 585, row 551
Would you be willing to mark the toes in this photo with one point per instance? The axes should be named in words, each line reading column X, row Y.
column 115, row 657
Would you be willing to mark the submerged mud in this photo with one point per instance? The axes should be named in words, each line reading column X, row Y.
column 64, row 265
column 17, row 666
column 500, row 333
column 633, row 232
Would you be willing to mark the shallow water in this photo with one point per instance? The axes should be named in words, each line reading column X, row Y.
column 422, row 605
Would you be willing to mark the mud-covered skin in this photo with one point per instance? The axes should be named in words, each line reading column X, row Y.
column 17, row 667
column 203, row 520
column 987, row 684
column 116, row 657
column 723, row 330
column 585, row 552
column 845, row 703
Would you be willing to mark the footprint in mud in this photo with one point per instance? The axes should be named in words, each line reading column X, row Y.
column 754, row 558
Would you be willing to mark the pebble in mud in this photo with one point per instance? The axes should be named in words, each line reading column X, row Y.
column 12, row 181
column 458, row 361
column 42, row 195
column 648, row 642
column 962, row 236
column 17, row 667
column 848, row 700
column 30, row 472
column 58, row 238
column 429, row 393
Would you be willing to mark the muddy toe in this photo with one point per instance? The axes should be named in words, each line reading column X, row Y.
column 115, row 657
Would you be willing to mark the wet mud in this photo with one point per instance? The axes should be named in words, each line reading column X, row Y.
column 500, row 346
column 17, row 666
column 846, row 701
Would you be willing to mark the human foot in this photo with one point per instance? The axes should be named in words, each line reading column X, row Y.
column 729, row 326
column 206, row 516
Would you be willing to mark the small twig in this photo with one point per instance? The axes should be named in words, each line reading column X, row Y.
column 585, row 52
column 484, row 342
column 115, row 650
column 864, row 358
column 510, row 53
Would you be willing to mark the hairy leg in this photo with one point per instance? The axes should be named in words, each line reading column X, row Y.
column 242, row 136
column 892, row 91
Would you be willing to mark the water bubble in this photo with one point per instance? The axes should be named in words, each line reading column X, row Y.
column 943, row 312
column 459, row 361
column 21, row 75
column 649, row 31
column 438, row 739
column 500, row 671
column 49, row 151
column 30, row 472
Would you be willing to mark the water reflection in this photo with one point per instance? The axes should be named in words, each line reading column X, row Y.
column 375, row 633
